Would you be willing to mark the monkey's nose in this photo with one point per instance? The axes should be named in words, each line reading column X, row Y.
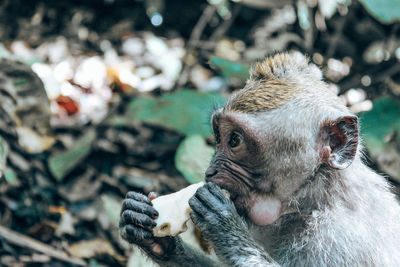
column 210, row 172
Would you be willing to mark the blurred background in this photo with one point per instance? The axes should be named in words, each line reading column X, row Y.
column 100, row 97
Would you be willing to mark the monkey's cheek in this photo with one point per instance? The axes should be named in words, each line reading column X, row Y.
column 265, row 210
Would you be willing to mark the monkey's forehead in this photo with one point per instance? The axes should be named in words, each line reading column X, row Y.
column 246, row 121
column 262, row 96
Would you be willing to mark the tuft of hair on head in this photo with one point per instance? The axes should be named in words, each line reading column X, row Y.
column 274, row 81
column 285, row 67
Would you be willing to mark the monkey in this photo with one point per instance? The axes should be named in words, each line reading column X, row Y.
column 290, row 155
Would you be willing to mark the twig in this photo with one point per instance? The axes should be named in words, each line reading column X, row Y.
column 383, row 74
column 309, row 34
column 208, row 13
column 223, row 28
column 204, row 45
column 202, row 23
column 28, row 242
column 336, row 37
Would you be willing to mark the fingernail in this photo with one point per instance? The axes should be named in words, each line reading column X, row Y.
column 157, row 249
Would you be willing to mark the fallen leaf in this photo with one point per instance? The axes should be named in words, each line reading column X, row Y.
column 3, row 155
column 193, row 157
column 63, row 163
column 112, row 207
column 82, row 188
column 32, row 142
column 66, row 225
column 68, row 104
column 386, row 11
column 91, row 248
column 381, row 132
column 11, row 177
column 184, row 111
column 231, row 69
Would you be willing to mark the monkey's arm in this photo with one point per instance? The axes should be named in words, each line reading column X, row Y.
column 136, row 224
column 185, row 255
column 219, row 222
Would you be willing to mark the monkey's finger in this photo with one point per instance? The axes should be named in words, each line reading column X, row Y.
column 217, row 191
column 152, row 195
column 140, row 207
column 208, row 199
column 138, row 197
column 198, row 206
column 135, row 235
column 196, row 218
column 138, row 219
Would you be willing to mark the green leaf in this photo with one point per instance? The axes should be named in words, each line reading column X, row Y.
column 94, row 263
column 62, row 164
column 193, row 157
column 20, row 82
column 386, row 11
column 112, row 207
column 303, row 15
column 382, row 122
column 3, row 154
column 11, row 176
column 185, row 111
column 231, row 69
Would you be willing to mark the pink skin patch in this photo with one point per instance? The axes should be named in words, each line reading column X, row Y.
column 265, row 210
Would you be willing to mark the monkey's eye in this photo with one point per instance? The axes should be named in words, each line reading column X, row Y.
column 235, row 140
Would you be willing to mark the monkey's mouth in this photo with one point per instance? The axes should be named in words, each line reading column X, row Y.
column 233, row 196
column 260, row 208
column 231, row 193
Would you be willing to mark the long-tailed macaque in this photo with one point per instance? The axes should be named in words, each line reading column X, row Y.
column 288, row 152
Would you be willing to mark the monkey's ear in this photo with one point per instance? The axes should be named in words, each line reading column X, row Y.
column 340, row 142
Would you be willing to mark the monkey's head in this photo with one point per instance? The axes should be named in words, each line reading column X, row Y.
column 275, row 134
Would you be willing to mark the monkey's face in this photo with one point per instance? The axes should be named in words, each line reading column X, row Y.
column 273, row 136
column 258, row 164
column 233, row 166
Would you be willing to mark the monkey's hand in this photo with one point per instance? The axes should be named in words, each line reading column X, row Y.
column 214, row 214
column 217, row 218
column 136, row 224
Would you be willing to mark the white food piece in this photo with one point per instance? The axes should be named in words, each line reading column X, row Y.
column 173, row 210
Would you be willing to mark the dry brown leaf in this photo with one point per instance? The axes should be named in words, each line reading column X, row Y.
column 91, row 248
